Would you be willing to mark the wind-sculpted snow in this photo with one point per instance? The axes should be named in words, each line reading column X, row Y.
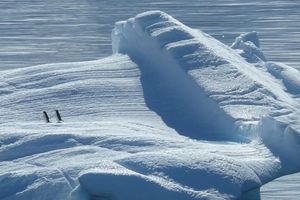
column 249, row 44
column 210, row 79
column 110, row 144
column 218, row 92
column 288, row 75
column 231, row 122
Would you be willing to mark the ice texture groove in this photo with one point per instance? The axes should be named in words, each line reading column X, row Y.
column 114, row 86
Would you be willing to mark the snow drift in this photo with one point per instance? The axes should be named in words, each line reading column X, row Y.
column 181, row 116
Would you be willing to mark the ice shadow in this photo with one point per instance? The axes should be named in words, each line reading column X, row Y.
column 181, row 103
column 251, row 195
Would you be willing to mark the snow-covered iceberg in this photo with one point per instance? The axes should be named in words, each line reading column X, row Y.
column 180, row 116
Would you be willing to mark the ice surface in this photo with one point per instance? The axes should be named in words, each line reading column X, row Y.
column 101, row 139
column 249, row 44
column 181, row 116
column 288, row 75
column 218, row 83
column 242, row 97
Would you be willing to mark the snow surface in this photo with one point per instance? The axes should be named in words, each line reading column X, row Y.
column 181, row 116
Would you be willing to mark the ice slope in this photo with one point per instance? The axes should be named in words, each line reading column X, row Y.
column 247, row 45
column 25, row 93
column 114, row 144
column 108, row 129
column 220, row 85
column 110, row 144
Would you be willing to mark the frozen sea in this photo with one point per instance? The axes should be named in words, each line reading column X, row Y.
column 40, row 31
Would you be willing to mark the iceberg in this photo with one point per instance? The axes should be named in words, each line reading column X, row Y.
column 173, row 114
